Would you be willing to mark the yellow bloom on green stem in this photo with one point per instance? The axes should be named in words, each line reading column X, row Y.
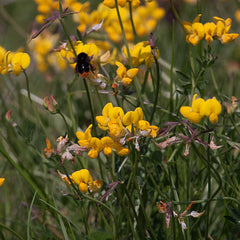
column 141, row 52
column 84, row 181
column 222, row 29
column 20, row 61
column 193, row 113
column 84, row 138
column 210, row 30
column 194, row 30
column 125, row 76
column 96, row 145
column 2, row 181
column 111, row 3
column 107, row 144
column 211, row 108
column 147, row 130
column 200, row 108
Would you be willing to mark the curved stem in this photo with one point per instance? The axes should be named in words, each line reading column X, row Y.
column 32, row 105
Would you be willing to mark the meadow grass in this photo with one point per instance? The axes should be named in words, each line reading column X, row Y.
column 119, row 119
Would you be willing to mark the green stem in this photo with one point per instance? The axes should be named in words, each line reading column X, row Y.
column 131, row 19
column 29, row 217
column 32, row 105
column 25, row 175
column 171, row 68
column 215, row 83
column 106, row 207
column 90, row 101
column 176, row 15
column 130, row 59
column 156, row 91
column 68, row 37
column 11, row 231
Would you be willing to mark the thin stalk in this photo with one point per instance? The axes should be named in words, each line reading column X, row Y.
column 65, row 121
column 144, row 81
column 107, row 208
column 158, row 89
column 209, row 192
column 130, row 59
column 68, row 37
column 29, row 217
column 215, row 83
column 171, row 69
column 25, row 175
column 176, row 14
column 32, row 105
column 89, row 96
column 70, row 109
column 11, row 231
column 131, row 19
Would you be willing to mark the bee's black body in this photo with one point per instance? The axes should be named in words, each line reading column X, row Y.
column 83, row 65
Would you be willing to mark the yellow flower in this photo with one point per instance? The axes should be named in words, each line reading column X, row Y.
column 193, row 113
column 111, row 120
column 200, row 108
column 83, row 179
column 210, row 30
column 85, row 138
column 2, row 181
column 105, row 118
column 140, row 53
column 96, row 146
column 20, row 61
column 211, row 108
column 222, row 29
column 125, row 76
column 111, row 3
column 146, row 130
column 194, row 30
column 120, row 150
column 107, row 144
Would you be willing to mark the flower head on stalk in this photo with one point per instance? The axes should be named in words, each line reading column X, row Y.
column 194, row 30
column 200, row 108
column 141, row 53
column 13, row 62
column 222, row 29
column 84, row 181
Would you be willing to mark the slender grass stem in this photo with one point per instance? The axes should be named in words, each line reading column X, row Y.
column 171, row 68
column 90, row 101
column 32, row 105
column 130, row 59
column 156, row 91
column 11, row 231
column 131, row 19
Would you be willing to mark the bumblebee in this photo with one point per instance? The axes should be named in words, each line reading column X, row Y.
column 83, row 66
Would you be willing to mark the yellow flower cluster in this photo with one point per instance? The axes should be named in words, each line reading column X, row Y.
column 125, row 76
column 42, row 49
column 145, row 19
column 120, row 127
column 84, row 181
column 210, row 108
column 141, row 53
column 196, row 31
column 121, row 3
column 47, row 7
column 13, row 62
